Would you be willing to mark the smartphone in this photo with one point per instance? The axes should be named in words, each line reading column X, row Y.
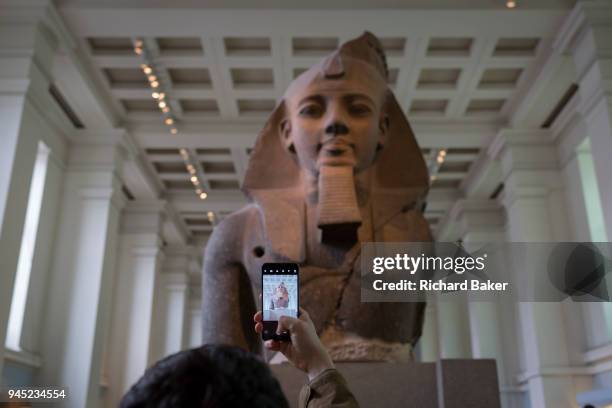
column 280, row 289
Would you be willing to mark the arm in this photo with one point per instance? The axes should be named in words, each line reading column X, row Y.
column 326, row 387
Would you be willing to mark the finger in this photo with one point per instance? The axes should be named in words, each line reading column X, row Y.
column 286, row 323
column 272, row 345
column 258, row 328
column 258, row 317
column 304, row 314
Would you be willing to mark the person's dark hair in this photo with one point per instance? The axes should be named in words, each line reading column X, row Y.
column 210, row 376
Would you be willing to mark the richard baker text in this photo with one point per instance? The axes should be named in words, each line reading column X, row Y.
column 440, row 285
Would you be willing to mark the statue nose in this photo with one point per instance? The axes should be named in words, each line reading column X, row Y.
column 337, row 128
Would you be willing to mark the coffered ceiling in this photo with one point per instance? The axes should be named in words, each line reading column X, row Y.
column 457, row 73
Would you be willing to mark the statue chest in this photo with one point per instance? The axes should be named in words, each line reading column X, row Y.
column 330, row 283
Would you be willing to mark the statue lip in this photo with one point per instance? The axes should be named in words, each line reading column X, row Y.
column 337, row 147
column 335, row 151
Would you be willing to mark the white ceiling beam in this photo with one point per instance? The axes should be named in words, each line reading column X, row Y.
column 92, row 21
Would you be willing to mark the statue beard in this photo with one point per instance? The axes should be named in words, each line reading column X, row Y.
column 338, row 215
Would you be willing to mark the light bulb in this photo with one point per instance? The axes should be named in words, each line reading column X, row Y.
column 203, row 196
column 138, row 51
column 155, row 95
column 166, row 109
column 174, row 131
column 169, row 121
column 442, row 153
column 194, row 179
column 147, row 70
column 162, row 96
column 162, row 104
column 511, row 4
column 154, row 84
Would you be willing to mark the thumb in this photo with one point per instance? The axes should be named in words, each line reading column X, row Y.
column 286, row 323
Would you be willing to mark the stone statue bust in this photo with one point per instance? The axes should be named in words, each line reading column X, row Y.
column 336, row 165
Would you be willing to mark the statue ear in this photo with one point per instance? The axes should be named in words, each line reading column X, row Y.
column 383, row 135
column 400, row 163
column 285, row 135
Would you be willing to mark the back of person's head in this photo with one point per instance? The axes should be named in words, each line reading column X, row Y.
column 211, row 376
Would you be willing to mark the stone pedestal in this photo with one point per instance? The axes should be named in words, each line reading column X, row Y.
column 452, row 383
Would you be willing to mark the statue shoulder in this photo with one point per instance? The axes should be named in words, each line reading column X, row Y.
column 234, row 232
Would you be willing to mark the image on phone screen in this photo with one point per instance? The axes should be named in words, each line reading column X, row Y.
column 280, row 294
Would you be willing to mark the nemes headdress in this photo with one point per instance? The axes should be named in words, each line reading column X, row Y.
column 399, row 165
column 399, row 172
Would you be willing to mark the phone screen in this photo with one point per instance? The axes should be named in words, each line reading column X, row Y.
column 280, row 294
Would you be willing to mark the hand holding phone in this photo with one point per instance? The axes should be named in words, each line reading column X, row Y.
column 304, row 350
column 280, row 297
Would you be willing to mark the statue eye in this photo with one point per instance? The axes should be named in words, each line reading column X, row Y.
column 312, row 110
column 359, row 109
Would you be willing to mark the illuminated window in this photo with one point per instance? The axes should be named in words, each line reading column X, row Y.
column 26, row 252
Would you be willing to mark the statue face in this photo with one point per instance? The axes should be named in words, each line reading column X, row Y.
column 334, row 123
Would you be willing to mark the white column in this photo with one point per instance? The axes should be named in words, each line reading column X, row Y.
column 26, row 53
column 482, row 222
column 79, row 295
column 428, row 343
column 129, row 350
column 453, row 329
column 452, row 317
column 535, row 206
column 195, row 321
column 584, row 204
column 32, row 330
column 176, row 286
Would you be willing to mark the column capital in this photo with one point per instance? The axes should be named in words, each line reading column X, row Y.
column 508, row 140
column 585, row 15
column 471, row 215
column 528, row 158
column 144, row 217
column 28, row 50
column 176, row 261
column 195, row 303
column 175, row 281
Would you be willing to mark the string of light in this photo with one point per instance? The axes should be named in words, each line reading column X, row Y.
column 436, row 159
column 160, row 95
